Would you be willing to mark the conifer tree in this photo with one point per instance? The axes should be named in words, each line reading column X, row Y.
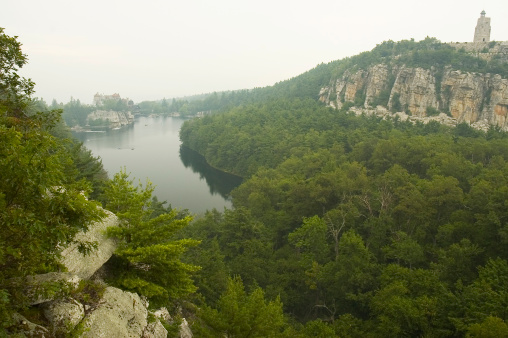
column 147, row 260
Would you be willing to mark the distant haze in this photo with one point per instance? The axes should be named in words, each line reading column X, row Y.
column 151, row 49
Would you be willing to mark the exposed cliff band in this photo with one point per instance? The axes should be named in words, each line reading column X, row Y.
column 464, row 96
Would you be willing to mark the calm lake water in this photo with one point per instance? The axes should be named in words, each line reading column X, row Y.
column 150, row 148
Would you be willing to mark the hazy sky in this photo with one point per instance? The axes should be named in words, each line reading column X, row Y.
column 151, row 49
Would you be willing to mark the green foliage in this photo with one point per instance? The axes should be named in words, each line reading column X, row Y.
column 356, row 220
column 74, row 113
column 491, row 327
column 239, row 314
column 363, row 226
column 488, row 295
column 42, row 206
column 431, row 111
column 147, row 260
column 89, row 293
column 15, row 91
column 317, row 328
column 310, row 239
column 396, row 105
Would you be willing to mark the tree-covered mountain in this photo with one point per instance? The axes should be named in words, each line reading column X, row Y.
column 364, row 226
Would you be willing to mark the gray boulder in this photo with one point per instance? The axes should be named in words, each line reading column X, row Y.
column 49, row 286
column 119, row 314
column 24, row 328
column 155, row 330
column 63, row 315
column 85, row 266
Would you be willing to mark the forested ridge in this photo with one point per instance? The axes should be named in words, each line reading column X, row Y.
column 392, row 228
column 361, row 226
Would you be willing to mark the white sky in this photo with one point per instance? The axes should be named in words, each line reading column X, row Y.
column 151, row 49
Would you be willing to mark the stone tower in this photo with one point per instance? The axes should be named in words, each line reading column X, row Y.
column 482, row 30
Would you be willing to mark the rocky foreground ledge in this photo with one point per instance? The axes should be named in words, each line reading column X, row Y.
column 77, row 303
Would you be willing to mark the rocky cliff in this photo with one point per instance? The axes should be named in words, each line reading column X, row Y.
column 460, row 82
column 110, row 118
column 464, row 96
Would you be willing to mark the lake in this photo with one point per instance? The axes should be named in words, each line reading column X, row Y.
column 151, row 148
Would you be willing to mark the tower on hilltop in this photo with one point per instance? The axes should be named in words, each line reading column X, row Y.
column 482, row 30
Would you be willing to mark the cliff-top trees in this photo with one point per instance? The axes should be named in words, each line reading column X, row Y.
column 40, row 208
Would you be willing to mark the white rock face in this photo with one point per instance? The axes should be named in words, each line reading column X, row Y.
column 119, row 314
column 163, row 315
column 417, row 90
column 376, row 83
column 41, row 288
column 84, row 266
column 114, row 119
column 64, row 315
column 473, row 98
column 155, row 330
column 185, row 331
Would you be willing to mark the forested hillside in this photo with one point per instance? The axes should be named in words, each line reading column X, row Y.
column 345, row 225
column 361, row 226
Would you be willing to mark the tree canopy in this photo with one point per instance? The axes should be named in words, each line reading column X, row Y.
column 43, row 200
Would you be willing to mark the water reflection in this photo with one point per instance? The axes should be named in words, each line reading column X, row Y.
column 150, row 148
column 218, row 181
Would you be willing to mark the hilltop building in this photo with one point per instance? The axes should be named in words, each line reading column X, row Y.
column 482, row 46
column 482, row 30
column 99, row 99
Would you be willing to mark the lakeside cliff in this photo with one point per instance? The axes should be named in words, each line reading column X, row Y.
column 401, row 84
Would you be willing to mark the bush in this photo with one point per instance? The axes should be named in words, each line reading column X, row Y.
column 431, row 111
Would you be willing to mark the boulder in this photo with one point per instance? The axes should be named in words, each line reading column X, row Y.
column 155, row 330
column 185, row 331
column 24, row 328
column 49, row 286
column 63, row 315
column 119, row 314
column 85, row 265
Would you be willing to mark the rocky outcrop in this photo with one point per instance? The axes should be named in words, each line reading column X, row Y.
column 49, row 286
column 116, row 314
column 416, row 90
column 110, row 118
column 25, row 328
column 78, row 307
column 64, row 315
column 85, row 265
column 474, row 98
column 185, row 331
column 377, row 83
column 119, row 314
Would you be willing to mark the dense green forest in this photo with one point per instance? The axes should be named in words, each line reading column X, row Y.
column 345, row 226
column 360, row 226
column 391, row 228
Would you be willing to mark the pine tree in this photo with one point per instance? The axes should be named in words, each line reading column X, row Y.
column 147, row 260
